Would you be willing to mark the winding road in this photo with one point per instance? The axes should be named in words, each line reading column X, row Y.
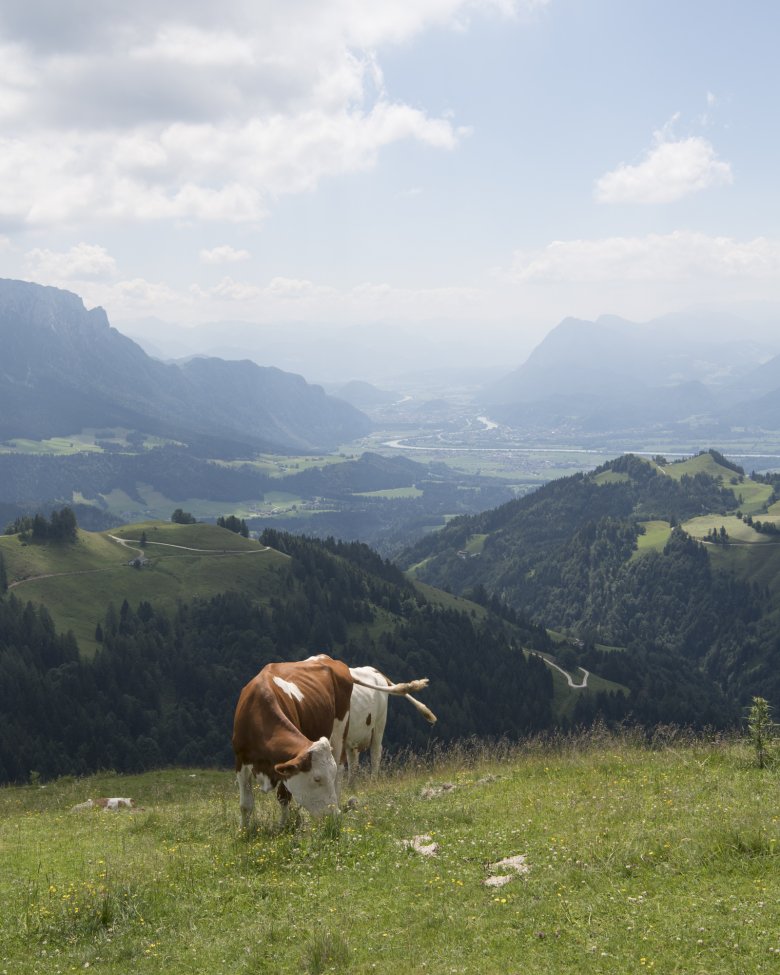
column 566, row 674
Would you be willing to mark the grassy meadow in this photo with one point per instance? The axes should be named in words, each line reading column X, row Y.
column 633, row 858
column 77, row 582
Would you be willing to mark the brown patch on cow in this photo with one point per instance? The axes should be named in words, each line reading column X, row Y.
column 368, row 719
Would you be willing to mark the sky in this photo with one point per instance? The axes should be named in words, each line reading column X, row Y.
column 481, row 162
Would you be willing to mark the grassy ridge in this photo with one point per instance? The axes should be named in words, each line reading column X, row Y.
column 77, row 582
column 638, row 860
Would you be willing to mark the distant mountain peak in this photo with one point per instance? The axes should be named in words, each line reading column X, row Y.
column 65, row 368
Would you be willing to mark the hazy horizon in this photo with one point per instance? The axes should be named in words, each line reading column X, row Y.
column 384, row 352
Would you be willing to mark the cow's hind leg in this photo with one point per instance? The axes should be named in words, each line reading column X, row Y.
column 376, row 738
column 247, row 799
column 353, row 759
column 376, row 754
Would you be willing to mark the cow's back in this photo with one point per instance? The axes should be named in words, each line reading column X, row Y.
column 312, row 693
column 285, row 703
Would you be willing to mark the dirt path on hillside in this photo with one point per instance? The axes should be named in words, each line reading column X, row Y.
column 130, row 544
column 54, row 575
column 569, row 681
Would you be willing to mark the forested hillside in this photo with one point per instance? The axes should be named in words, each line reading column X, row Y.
column 163, row 685
column 691, row 629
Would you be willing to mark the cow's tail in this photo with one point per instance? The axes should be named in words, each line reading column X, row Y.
column 402, row 690
column 429, row 716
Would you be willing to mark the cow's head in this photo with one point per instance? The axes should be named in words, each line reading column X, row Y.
column 311, row 778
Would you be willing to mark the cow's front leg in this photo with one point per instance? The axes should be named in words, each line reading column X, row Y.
column 247, row 799
column 337, row 747
column 284, row 796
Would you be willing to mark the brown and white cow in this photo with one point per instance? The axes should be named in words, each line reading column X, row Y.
column 288, row 731
column 368, row 717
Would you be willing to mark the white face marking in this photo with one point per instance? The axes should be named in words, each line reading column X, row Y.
column 315, row 790
column 290, row 689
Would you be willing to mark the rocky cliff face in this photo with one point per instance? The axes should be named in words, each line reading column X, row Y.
column 64, row 368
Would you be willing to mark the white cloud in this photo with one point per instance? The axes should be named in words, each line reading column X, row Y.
column 139, row 295
column 192, row 45
column 678, row 256
column 670, row 171
column 232, row 290
column 223, row 255
column 199, row 112
column 84, row 262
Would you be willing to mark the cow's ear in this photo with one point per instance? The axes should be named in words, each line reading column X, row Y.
column 301, row 763
column 286, row 769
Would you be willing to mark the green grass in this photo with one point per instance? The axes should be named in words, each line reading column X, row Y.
column 199, row 536
column 738, row 531
column 700, row 464
column 439, row 597
column 655, row 537
column 611, row 477
column 749, row 496
column 84, row 441
column 752, row 497
column 79, row 581
column 475, row 544
column 56, row 446
column 639, row 860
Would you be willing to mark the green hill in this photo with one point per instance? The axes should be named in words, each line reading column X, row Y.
column 614, row 858
column 77, row 582
column 676, row 563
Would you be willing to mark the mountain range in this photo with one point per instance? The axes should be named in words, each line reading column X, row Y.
column 64, row 368
column 692, row 378
column 701, row 372
column 613, row 375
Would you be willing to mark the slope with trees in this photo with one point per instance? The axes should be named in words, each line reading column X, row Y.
column 162, row 686
column 698, row 628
